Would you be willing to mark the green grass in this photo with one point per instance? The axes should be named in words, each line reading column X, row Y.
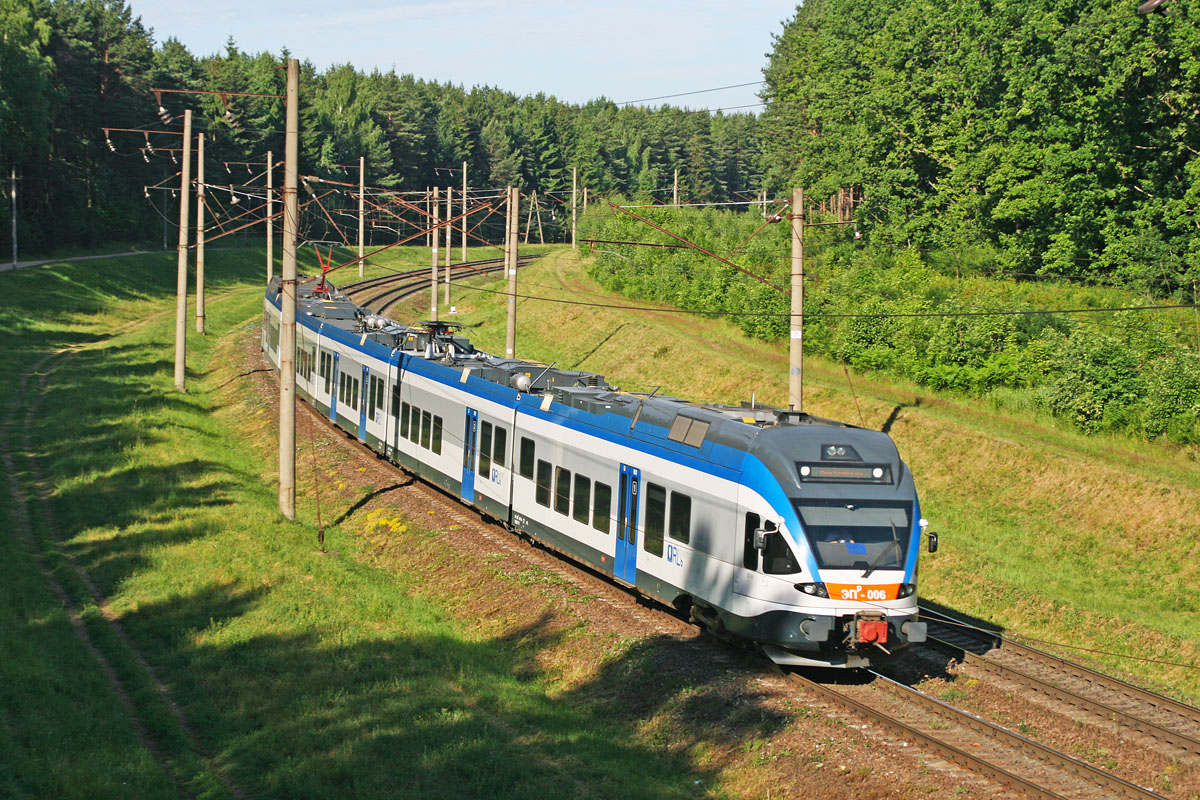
column 305, row 676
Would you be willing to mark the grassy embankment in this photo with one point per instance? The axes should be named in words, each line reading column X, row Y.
column 304, row 676
column 1087, row 541
column 309, row 676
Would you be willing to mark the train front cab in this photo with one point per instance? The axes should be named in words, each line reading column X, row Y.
column 827, row 572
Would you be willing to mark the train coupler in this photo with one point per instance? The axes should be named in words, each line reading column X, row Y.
column 869, row 627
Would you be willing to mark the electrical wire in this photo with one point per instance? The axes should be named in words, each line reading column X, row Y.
column 685, row 94
column 824, row 315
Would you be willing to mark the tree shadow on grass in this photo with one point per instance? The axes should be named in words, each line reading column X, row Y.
column 303, row 713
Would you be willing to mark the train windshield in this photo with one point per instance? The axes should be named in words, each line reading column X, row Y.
column 856, row 535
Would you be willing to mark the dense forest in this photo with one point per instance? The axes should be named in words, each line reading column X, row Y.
column 71, row 68
column 1060, row 137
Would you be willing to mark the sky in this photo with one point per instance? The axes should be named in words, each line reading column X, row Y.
column 620, row 49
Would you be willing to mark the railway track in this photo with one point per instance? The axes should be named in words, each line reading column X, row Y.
column 1015, row 762
column 400, row 285
column 1168, row 723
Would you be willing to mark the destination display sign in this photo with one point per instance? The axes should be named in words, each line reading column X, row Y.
column 827, row 472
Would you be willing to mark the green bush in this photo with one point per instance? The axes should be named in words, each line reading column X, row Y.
column 876, row 310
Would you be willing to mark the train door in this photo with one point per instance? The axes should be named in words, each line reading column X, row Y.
column 468, row 471
column 362, row 406
column 333, row 389
column 629, row 487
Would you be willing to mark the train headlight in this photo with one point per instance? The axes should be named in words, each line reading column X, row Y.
column 906, row 590
column 813, row 589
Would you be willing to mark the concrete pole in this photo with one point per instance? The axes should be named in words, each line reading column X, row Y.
column 270, row 211
column 428, row 201
column 574, row 201
column 510, row 262
column 185, row 191
column 449, row 233
column 200, row 236
column 166, row 208
column 464, row 219
column 796, row 351
column 533, row 201
column 13, row 185
column 538, row 207
column 433, row 301
column 585, row 199
column 675, row 194
column 287, row 330
column 362, row 188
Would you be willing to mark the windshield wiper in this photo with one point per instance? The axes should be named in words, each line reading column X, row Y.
column 899, row 551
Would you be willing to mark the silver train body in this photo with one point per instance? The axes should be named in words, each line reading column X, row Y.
column 798, row 533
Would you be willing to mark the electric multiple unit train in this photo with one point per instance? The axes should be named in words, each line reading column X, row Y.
column 798, row 533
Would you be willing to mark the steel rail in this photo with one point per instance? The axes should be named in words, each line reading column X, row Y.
column 939, row 746
column 369, row 283
column 997, row 733
column 1158, row 701
column 411, row 283
column 1097, row 707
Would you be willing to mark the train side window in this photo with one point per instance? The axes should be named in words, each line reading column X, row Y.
column 396, row 401
column 582, row 498
column 749, row 552
column 602, row 507
column 426, row 428
column 325, row 368
column 527, row 456
column 485, row 449
column 778, row 558
column 348, row 391
column 376, row 403
column 656, row 518
column 414, row 425
column 562, row 491
column 404, row 409
column 680, row 528
column 437, row 435
column 543, row 483
column 499, row 445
